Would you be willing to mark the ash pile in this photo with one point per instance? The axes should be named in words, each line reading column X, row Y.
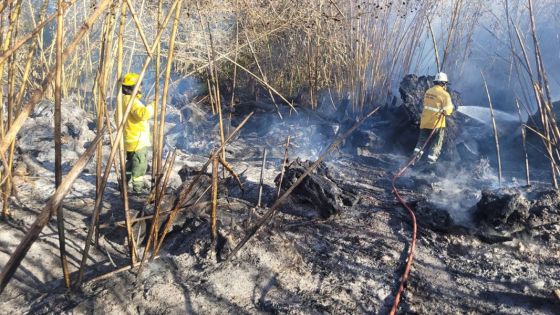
column 506, row 214
column 36, row 139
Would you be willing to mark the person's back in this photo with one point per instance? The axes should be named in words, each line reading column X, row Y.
column 137, row 137
column 437, row 105
column 137, row 128
column 436, row 101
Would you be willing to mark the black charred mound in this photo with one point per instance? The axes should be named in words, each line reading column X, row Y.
column 318, row 189
column 510, row 213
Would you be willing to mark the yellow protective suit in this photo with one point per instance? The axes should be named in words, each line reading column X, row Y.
column 436, row 102
column 136, row 129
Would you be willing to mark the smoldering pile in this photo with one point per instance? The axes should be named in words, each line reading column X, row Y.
column 318, row 190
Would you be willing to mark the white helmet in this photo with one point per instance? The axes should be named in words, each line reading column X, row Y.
column 441, row 77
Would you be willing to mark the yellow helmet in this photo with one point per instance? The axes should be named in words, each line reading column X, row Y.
column 130, row 79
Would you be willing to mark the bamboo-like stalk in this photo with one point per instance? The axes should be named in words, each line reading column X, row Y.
column 214, row 209
column 139, row 27
column 161, row 125
column 119, row 134
column 58, row 137
column 7, row 178
column 156, row 155
column 495, row 129
column 524, row 139
column 120, row 140
column 44, row 216
column 261, row 178
column 434, row 43
column 269, row 214
column 101, row 106
column 284, row 162
column 262, row 74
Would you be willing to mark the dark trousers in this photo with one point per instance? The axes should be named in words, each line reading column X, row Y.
column 136, row 167
column 434, row 146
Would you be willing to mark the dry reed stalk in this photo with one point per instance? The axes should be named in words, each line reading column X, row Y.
column 268, row 215
column 434, row 42
column 5, row 4
column 119, row 134
column 261, row 178
column 284, row 162
column 541, row 108
column 100, row 88
column 44, row 216
column 120, row 140
column 524, row 139
column 15, row 10
column 262, row 74
column 156, row 156
column 214, row 208
column 58, row 137
column 495, row 129
column 262, row 82
column 29, row 61
column 139, row 28
column 169, row 62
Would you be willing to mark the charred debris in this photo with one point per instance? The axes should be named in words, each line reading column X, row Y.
column 269, row 177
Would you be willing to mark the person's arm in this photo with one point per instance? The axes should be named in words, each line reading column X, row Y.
column 141, row 112
column 448, row 106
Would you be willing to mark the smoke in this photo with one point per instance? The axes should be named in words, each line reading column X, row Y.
column 490, row 51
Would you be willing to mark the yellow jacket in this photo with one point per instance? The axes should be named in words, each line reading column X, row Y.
column 137, row 128
column 436, row 102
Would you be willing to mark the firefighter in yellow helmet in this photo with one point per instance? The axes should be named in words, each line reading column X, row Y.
column 136, row 133
column 437, row 105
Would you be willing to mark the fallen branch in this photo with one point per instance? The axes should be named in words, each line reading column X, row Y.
column 268, row 215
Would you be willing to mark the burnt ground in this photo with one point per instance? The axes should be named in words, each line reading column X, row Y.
column 300, row 263
column 348, row 263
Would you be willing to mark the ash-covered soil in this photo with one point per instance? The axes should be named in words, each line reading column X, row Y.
column 348, row 263
column 307, row 260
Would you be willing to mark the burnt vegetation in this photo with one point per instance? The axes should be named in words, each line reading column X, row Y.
column 281, row 135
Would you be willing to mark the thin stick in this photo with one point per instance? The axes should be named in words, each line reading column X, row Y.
column 435, row 45
column 58, row 138
column 495, row 128
column 214, row 209
column 283, row 170
column 268, row 215
column 261, row 179
column 524, row 139
column 139, row 27
column 120, row 140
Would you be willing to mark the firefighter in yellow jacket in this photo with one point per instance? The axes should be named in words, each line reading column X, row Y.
column 136, row 133
column 437, row 105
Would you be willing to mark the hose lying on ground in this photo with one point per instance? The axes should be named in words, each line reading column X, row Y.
column 410, row 257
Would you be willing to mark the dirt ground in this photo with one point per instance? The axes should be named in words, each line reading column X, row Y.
column 299, row 264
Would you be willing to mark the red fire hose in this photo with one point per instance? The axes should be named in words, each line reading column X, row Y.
column 398, row 175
